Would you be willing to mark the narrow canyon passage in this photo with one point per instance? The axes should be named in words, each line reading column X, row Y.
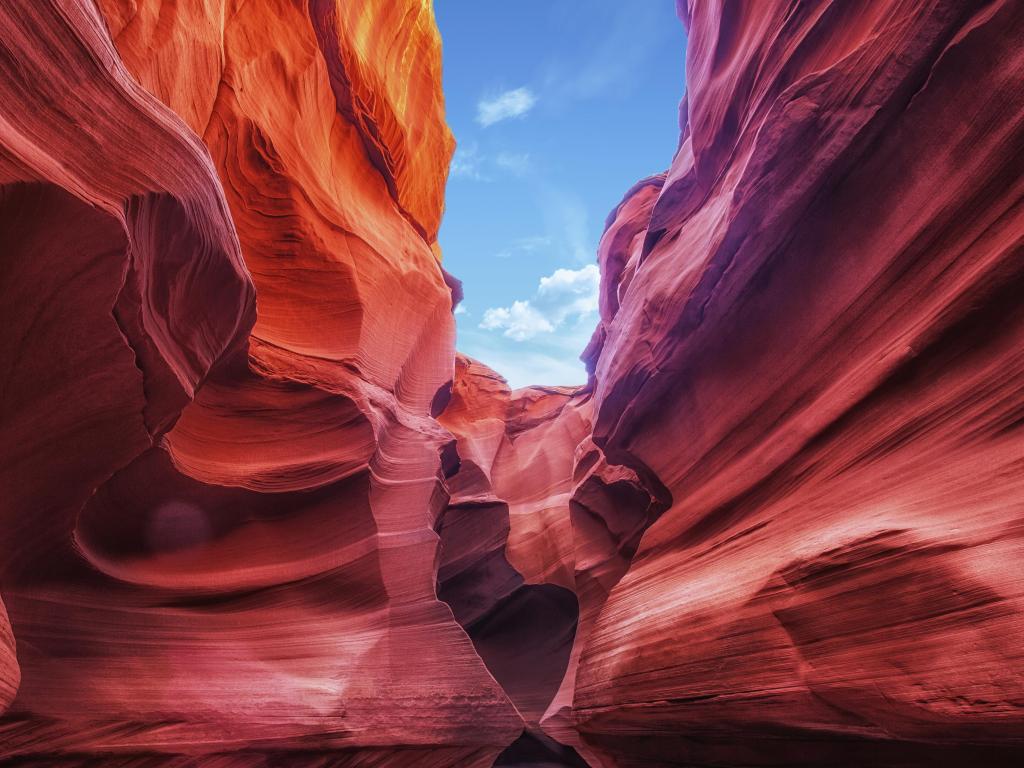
column 531, row 542
column 256, row 510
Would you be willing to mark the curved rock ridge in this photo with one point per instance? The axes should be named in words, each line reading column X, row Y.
column 811, row 333
column 219, row 535
column 377, row 63
column 123, row 280
column 506, row 557
column 328, row 136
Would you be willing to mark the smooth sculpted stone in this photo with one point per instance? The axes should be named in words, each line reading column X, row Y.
column 10, row 673
column 539, row 528
column 814, row 344
column 506, row 543
column 219, row 512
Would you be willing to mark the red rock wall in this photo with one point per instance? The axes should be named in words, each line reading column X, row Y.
column 219, row 512
column 507, row 561
column 807, row 374
column 10, row 673
column 813, row 339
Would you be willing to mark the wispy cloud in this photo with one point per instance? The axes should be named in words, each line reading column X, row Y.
column 467, row 163
column 613, row 66
column 566, row 296
column 514, row 103
column 517, row 163
column 470, row 163
column 567, row 222
column 461, row 310
column 524, row 245
column 523, row 367
column 550, row 358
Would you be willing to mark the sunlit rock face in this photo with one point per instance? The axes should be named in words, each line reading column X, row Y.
column 811, row 336
column 257, row 512
column 228, row 333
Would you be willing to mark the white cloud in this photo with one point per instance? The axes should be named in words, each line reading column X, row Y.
column 467, row 162
column 518, row 164
column 520, row 322
column 514, row 103
column 461, row 310
column 572, row 292
column 563, row 297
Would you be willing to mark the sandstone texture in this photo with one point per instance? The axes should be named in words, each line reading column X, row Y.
column 255, row 510
column 228, row 330
column 812, row 339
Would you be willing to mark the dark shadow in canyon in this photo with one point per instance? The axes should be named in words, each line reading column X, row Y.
column 535, row 750
column 523, row 632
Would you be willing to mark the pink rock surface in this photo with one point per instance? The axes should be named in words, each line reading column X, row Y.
column 507, row 558
column 817, row 353
column 10, row 674
column 538, row 530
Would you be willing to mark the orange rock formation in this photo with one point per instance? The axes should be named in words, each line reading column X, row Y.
column 238, row 556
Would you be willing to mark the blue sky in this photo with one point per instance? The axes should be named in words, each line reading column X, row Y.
column 558, row 107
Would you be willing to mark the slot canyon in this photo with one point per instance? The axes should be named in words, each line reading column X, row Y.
column 256, row 510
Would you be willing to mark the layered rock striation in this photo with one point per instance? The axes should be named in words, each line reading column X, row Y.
column 811, row 338
column 256, row 510
column 229, row 336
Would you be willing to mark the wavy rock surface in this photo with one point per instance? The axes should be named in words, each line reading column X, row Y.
column 238, row 558
column 811, row 334
column 538, row 530
column 10, row 673
column 507, row 560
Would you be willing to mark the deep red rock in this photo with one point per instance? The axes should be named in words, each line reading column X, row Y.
column 817, row 354
column 10, row 674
